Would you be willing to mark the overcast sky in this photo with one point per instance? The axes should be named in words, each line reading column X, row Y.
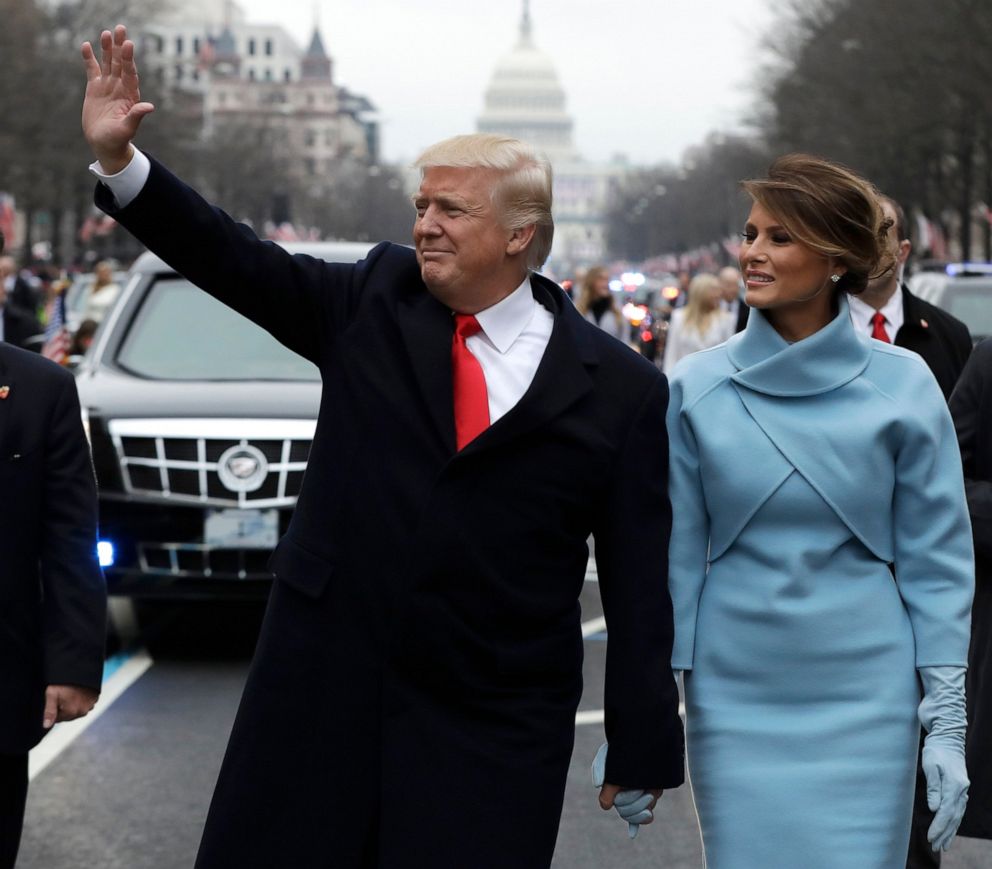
column 643, row 77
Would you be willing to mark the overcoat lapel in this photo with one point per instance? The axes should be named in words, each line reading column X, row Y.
column 806, row 399
column 562, row 376
column 914, row 325
column 561, row 379
column 427, row 327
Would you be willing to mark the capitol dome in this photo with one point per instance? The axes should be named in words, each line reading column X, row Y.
column 526, row 100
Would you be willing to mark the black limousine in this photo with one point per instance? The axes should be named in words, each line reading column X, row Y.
column 200, row 424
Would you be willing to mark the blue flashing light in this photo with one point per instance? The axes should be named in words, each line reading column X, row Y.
column 968, row 268
column 105, row 552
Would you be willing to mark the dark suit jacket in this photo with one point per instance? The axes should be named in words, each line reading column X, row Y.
column 24, row 296
column 52, row 594
column 423, row 631
column 971, row 407
column 942, row 340
column 18, row 325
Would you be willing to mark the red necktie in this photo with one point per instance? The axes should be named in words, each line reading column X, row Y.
column 471, row 398
column 878, row 328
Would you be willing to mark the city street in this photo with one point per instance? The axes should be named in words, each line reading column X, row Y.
column 131, row 792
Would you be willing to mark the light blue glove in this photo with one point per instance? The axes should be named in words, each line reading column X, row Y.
column 942, row 713
column 631, row 805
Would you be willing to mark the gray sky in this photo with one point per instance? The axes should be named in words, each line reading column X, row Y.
column 644, row 77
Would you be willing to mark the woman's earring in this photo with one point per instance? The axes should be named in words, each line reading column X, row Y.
column 835, row 278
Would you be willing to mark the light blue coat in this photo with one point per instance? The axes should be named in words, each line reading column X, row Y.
column 799, row 473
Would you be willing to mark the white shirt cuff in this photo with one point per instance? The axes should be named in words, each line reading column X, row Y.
column 127, row 183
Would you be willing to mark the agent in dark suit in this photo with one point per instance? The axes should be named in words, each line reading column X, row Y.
column 413, row 695
column 16, row 324
column 53, row 616
column 21, row 294
column 733, row 296
column 971, row 408
column 887, row 310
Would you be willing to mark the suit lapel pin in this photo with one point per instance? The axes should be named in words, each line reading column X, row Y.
column 924, row 324
column 4, row 392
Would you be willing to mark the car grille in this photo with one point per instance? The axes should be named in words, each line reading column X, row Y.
column 210, row 462
column 195, row 561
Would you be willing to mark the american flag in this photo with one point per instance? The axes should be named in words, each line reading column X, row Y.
column 56, row 346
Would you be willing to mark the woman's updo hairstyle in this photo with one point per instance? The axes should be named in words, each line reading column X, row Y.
column 830, row 209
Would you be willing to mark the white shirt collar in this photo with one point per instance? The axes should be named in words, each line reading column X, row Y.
column 862, row 313
column 504, row 322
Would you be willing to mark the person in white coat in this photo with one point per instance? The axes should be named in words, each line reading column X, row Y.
column 700, row 324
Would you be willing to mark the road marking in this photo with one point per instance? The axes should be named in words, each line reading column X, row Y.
column 598, row 716
column 590, row 716
column 122, row 671
column 593, row 626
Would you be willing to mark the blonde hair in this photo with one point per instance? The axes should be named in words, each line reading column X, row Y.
column 522, row 195
column 830, row 209
column 697, row 315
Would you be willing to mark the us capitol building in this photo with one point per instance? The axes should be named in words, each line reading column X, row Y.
column 525, row 100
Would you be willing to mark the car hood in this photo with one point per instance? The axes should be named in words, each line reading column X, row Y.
column 108, row 393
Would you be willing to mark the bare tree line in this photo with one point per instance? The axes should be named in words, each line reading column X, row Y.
column 897, row 89
column 243, row 165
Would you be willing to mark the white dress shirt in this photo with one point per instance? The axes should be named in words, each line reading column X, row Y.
column 515, row 334
column 515, row 331
column 862, row 313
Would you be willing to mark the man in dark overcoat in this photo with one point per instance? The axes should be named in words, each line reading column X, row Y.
column 16, row 324
column 888, row 311
column 413, row 695
column 971, row 408
column 52, row 593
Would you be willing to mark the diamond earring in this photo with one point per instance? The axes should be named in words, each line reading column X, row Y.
column 835, row 278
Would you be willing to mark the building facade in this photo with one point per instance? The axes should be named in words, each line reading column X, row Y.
column 256, row 74
column 525, row 100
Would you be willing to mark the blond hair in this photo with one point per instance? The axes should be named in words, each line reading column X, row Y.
column 522, row 195
column 697, row 315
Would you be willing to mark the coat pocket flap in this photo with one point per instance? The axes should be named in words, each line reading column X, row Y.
column 299, row 568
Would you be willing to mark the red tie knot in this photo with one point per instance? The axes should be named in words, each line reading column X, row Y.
column 466, row 325
column 878, row 327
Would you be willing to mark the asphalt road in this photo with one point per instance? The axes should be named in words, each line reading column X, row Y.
column 131, row 792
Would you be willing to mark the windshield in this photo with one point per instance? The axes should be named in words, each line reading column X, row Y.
column 972, row 304
column 181, row 333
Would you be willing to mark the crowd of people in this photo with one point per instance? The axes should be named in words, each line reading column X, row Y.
column 34, row 306
column 811, row 507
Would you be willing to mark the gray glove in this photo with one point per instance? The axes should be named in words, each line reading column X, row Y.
column 944, row 716
column 631, row 805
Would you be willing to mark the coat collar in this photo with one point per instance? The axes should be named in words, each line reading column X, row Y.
column 426, row 326
column 561, row 378
column 824, row 361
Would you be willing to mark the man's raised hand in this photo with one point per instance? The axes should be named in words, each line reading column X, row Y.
column 112, row 107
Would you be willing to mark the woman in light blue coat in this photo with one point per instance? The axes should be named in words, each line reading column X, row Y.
column 821, row 556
